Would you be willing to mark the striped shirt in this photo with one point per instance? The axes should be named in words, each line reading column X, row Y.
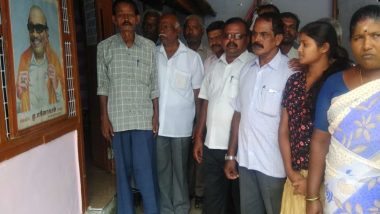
column 128, row 76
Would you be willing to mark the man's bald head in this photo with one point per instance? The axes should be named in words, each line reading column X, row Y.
column 36, row 15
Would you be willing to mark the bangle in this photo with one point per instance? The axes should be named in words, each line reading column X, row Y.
column 312, row 198
column 229, row 157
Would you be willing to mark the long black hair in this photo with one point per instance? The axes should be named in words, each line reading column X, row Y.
column 323, row 32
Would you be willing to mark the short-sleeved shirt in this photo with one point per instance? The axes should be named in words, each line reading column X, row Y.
column 334, row 86
column 220, row 87
column 300, row 105
column 128, row 77
column 259, row 103
column 178, row 77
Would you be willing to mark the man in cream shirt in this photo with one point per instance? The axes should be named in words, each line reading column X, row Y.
column 219, row 88
column 180, row 73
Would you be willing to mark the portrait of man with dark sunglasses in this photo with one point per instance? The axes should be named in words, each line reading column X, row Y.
column 40, row 79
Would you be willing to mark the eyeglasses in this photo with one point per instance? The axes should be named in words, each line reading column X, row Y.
column 39, row 28
column 236, row 36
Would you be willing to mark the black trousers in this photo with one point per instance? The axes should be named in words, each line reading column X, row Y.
column 221, row 196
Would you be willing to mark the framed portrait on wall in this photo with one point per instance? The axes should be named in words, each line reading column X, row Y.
column 39, row 77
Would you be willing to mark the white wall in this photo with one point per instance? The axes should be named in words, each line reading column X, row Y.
column 347, row 9
column 226, row 9
column 307, row 10
column 43, row 180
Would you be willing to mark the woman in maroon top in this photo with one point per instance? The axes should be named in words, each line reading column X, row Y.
column 320, row 53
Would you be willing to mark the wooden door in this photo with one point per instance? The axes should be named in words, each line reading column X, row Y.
column 100, row 150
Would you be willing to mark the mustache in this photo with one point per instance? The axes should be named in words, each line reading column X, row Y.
column 257, row 45
column 162, row 35
column 231, row 45
column 126, row 22
column 33, row 39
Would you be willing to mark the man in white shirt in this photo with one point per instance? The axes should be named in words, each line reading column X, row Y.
column 256, row 119
column 288, row 45
column 180, row 73
column 219, row 89
column 215, row 37
column 193, row 32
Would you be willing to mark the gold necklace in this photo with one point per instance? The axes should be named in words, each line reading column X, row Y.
column 361, row 76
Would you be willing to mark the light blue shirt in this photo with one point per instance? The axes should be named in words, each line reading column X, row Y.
column 259, row 102
column 38, row 92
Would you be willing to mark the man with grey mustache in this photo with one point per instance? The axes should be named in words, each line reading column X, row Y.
column 180, row 75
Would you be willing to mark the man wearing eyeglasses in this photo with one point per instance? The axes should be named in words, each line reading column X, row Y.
column 256, row 120
column 219, row 88
column 40, row 79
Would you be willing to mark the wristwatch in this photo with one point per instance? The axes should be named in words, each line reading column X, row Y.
column 229, row 157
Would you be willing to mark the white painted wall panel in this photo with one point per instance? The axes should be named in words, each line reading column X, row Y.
column 43, row 180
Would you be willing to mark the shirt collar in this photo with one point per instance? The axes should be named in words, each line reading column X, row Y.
column 292, row 51
column 34, row 61
column 274, row 63
column 182, row 48
column 243, row 57
column 201, row 48
column 137, row 41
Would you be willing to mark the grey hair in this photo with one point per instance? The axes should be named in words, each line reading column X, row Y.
column 177, row 25
column 196, row 17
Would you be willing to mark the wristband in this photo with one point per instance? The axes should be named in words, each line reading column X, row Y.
column 229, row 157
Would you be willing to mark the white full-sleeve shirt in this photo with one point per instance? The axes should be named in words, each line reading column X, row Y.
column 259, row 102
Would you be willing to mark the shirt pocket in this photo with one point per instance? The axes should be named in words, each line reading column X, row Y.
column 270, row 101
column 142, row 74
column 181, row 83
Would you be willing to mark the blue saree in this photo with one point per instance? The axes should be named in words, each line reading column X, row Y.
column 352, row 176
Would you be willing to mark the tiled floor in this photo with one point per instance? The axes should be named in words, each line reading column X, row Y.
column 101, row 192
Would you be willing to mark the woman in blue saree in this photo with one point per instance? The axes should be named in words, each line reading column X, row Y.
column 345, row 146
